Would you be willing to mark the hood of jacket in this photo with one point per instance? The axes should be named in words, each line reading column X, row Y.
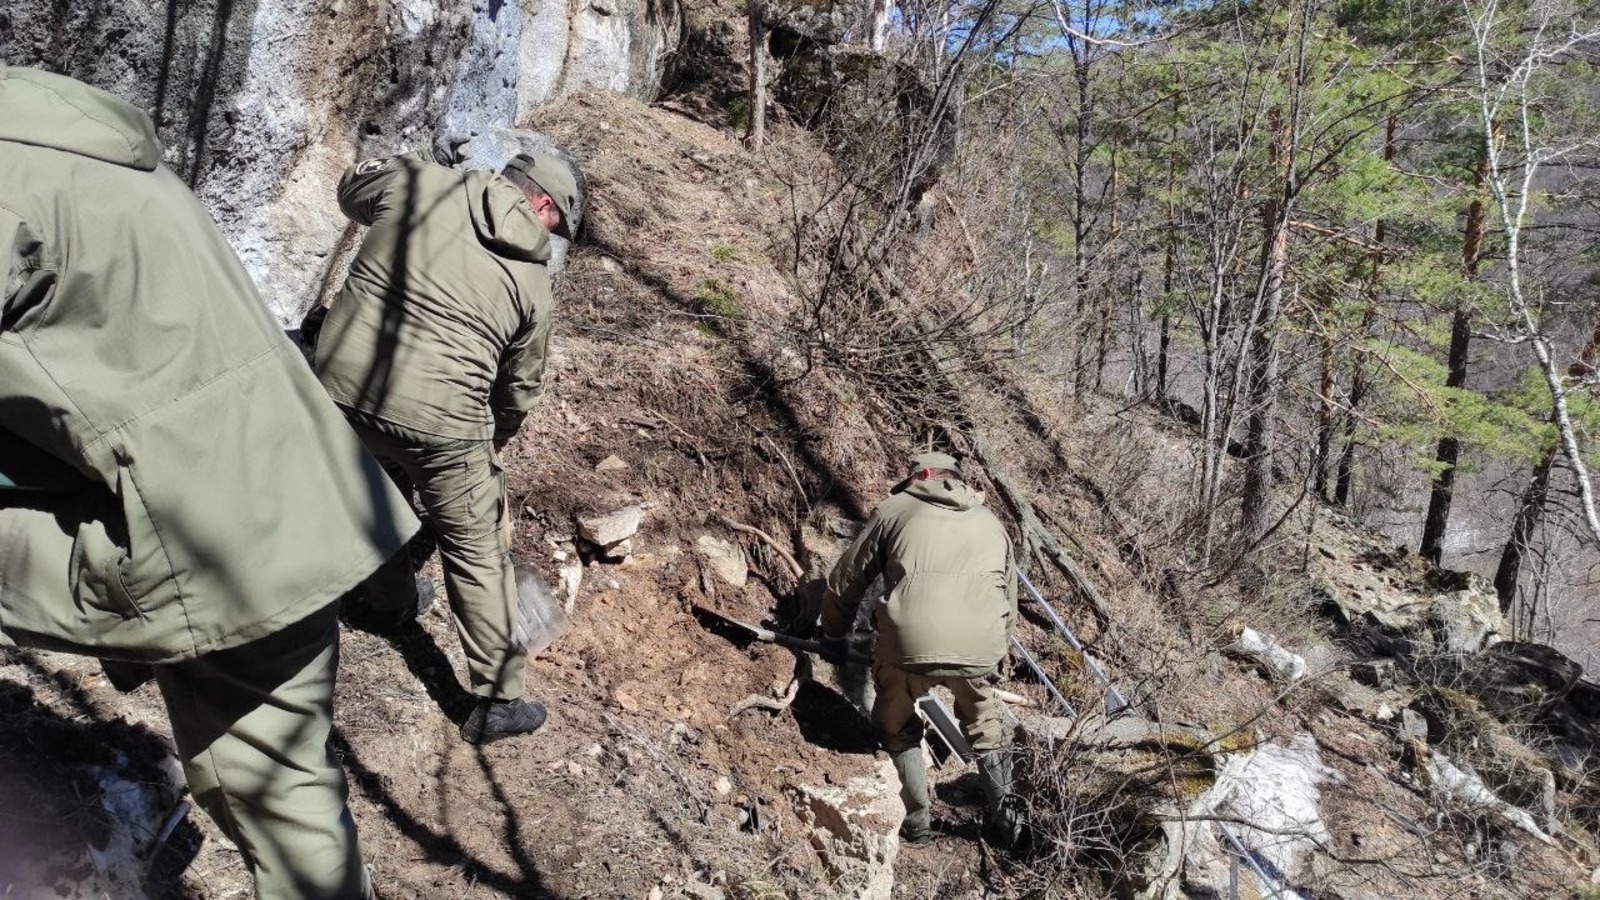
column 47, row 110
column 947, row 492
column 505, row 223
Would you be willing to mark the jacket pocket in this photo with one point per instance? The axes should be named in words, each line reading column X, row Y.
column 119, row 562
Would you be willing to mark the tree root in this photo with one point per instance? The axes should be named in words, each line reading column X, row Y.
column 778, row 705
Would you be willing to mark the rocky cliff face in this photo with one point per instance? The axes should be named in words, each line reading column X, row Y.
column 262, row 103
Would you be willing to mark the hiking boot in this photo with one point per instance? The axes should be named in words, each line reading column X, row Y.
column 1005, row 827
column 390, row 622
column 913, row 771
column 492, row 720
column 915, row 833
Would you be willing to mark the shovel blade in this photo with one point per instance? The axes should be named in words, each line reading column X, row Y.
column 539, row 618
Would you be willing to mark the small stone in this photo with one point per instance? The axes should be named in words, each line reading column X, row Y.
column 655, row 893
column 1377, row 673
column 611, row 464
column 722, row 786
column 620, row 551
column 559, row 556
column 626, row 701
column 1413, row 726
column 613, row 584
column 575, row 770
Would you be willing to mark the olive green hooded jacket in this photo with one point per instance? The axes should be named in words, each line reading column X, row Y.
column 950, row 596
column 443, row 323
column 197, row 490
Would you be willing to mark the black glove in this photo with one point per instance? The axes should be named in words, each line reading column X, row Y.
column 834, row 650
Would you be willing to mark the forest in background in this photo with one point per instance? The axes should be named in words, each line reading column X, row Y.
column 1348, row 244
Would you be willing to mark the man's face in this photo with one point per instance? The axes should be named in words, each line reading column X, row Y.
column 549, row 215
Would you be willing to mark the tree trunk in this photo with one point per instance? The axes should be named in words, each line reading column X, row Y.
column 1108, row 260
column 756, row 135
column 1324, row 446
column 1264, row 347
column 1345, row 478
column 1529, row 513
column 1449, row 451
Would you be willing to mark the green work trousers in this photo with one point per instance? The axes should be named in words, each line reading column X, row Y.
column 252, row 724
column 894, row 714
column 462, row 490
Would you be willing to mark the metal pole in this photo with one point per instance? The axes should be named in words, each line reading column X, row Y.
column 1116, row 702
column 1044, row 679
column 1276, row 890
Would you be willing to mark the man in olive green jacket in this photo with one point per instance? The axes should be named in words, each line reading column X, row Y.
column 949, row 604
column 181, row 492
column 435, row 348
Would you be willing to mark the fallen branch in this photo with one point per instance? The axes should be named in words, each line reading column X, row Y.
column 770, row 541
column 799, row 488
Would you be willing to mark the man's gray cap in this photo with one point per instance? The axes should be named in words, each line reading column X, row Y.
column 934, row 461
column 558, row 178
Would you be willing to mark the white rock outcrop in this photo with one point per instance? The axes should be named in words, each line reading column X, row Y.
column 855, row 829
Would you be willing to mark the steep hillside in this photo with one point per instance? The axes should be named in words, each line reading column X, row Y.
column 1345, row 717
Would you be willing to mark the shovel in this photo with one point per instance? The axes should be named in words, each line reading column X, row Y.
column 768, row 636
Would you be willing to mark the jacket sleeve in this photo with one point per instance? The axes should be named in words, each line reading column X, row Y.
column 27, row 281
column 369, row 188
column 522, row 367
column 851, row 576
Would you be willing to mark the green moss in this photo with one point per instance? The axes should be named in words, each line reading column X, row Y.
column 717, row 299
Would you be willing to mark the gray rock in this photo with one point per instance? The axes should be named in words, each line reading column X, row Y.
column 610, row 464
column 261, row 105
column 725, row 560
column 1413, row 726
column 607, row 530
column 1374, row 673
column 1518, row 681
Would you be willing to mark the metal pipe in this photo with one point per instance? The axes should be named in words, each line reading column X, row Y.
column 1249, row 859
column 1115, row 701
column 1044, row 679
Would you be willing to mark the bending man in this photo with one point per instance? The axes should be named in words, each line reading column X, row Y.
column 949, row 604
column 435, row 348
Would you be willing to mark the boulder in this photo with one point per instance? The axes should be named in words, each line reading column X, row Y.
column 1519, row 681
column 1468, row 620
column 1392, row 621
column 724, row 559
column 855, row 829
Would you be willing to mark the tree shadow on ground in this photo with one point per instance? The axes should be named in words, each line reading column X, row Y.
column 441, row 847
column 55, row 771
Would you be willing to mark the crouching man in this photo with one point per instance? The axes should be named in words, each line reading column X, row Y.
column 949, row 605
column 175, row 487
